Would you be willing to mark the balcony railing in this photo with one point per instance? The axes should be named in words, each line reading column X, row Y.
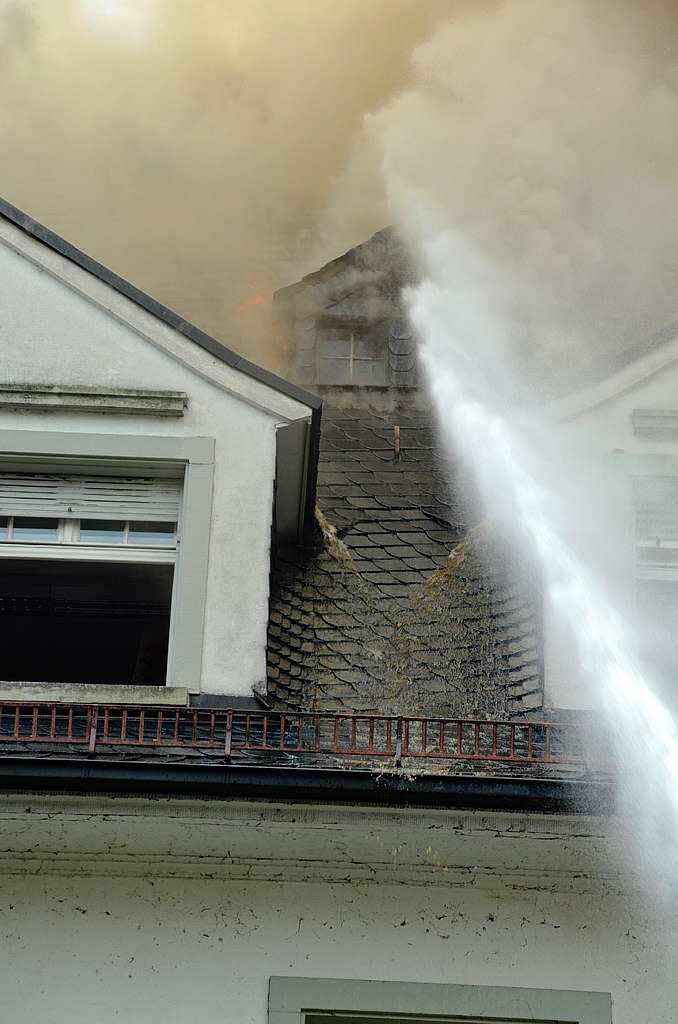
column 225, row 733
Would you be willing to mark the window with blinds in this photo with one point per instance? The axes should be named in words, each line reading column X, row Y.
column 89, row 497
column 655, row 501
column 81, row 517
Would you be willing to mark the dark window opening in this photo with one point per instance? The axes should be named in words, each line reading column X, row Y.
column 84, row 622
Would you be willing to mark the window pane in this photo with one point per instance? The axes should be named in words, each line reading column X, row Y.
column 35, row 529
column 102, row 531
column 3, row 527
column 151, row 533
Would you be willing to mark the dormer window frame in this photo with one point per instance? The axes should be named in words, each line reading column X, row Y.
column 349, row 337
column 190, row 459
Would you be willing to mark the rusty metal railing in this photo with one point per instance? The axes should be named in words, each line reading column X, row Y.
column 228, row 732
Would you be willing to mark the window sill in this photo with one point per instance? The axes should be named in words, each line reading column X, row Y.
column 93, row 693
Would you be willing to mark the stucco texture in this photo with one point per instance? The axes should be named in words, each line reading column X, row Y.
column 51, row 332
column 194, row 925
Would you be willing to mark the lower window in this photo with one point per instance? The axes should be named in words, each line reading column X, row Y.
column 87, row 569
column 333, row 1001
column 74, row 622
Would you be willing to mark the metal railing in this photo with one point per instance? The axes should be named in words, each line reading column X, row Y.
column 94, row 726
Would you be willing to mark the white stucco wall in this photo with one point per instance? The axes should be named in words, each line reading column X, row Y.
column 60, row 326
column 592, row 448
column 193, row 930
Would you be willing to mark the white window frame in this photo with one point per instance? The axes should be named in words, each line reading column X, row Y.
column 190, row 458
column 68, row 547
column 299, row 1000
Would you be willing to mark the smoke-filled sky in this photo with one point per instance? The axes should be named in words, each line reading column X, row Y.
column 194, row 145
column 542, row 137
column 214, row 150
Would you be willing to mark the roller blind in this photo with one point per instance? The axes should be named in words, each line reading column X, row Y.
column 89, row 497
column 656, row 507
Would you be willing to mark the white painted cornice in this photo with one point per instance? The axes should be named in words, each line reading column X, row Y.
column 71, row 835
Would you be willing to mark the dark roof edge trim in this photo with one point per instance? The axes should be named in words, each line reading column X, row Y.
column 195, row 334
column 333, row 785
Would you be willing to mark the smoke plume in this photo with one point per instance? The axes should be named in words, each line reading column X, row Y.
column 543, row 138
column 193, row 146
column 212, row 151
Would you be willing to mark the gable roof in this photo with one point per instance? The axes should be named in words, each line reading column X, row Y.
column 188, row 330
column 296, row 441
column 659, row 353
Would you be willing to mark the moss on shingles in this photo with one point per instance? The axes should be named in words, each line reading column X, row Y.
column 333, row 544
column 363, row 625
column 435, row 651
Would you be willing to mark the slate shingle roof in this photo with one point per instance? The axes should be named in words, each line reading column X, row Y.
column 407, row 604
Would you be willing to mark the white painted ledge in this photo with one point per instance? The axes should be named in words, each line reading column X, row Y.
column 107, row 401
column 93, row 693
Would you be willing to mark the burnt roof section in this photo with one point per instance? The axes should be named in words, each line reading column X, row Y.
column 188, row 330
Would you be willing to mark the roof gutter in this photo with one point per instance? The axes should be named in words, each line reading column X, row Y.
column 309, row 784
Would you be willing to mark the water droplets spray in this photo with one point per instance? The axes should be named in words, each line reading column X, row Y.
column 645, row 733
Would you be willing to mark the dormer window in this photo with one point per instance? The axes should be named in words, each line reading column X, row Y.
column 351, row 356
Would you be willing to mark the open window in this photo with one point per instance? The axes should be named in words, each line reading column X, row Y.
column 87, row 566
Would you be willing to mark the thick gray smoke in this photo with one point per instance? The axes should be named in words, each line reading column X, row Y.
column 544, row 137
column 214, row 150
column 193, row 145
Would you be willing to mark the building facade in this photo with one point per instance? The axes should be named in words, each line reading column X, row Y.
column 284, row 731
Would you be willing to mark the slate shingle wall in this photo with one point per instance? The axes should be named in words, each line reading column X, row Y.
column 379, row 617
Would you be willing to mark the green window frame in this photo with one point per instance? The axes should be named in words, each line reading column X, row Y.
column 336, row 1001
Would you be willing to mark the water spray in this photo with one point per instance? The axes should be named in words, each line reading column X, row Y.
column 644, row 730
